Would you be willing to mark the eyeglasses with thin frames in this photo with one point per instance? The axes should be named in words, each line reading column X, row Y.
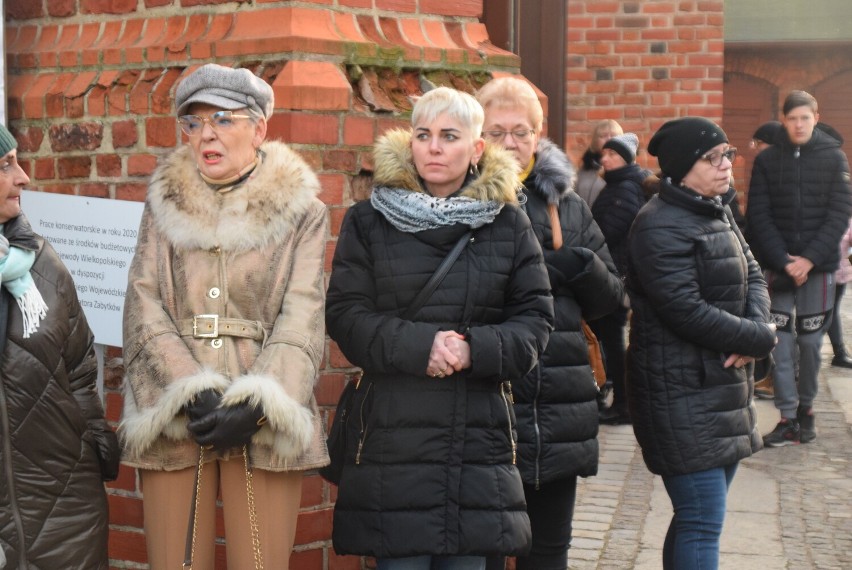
column 219, row 121
column 520, row 135
column 715, row 158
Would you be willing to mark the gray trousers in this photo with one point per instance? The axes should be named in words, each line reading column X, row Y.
column 802, row 316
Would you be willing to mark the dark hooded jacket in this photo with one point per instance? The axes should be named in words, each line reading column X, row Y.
column 56, row 446
column 556, row 403
column 799, row 202
column 429, row 465
column 697, row 296
column 617, row 206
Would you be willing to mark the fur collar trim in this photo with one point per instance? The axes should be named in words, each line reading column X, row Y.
column 394, row 168
column 263, row 210
column 553, row 174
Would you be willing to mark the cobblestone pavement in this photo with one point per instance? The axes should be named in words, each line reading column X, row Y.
column 788, row 508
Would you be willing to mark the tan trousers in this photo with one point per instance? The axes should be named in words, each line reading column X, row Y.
column 166, row 498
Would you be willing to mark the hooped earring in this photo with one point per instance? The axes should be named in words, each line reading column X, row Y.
column 473, row 170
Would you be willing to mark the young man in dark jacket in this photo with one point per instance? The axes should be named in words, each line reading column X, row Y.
column 799, row 207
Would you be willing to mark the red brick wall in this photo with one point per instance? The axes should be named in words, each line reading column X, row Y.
column 641, row 63
column 90, row 87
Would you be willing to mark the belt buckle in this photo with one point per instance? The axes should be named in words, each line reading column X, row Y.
column 213, row 334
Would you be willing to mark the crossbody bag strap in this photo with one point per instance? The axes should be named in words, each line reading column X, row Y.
column 437, row 277
column 555, row 225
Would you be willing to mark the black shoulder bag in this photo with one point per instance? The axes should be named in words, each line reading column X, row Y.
column 336, row 440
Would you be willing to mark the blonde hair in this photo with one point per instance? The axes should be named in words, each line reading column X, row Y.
column 457, row 104
column 511, row 92
column 605, row 125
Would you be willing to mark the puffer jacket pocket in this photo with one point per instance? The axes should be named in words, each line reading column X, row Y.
column 715, row 373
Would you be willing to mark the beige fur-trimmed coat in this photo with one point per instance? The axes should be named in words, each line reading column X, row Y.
column 254, row 253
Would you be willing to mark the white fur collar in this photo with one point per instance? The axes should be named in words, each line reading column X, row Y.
column 261, row 211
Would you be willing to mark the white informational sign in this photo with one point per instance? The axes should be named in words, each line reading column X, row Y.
column 96, row 239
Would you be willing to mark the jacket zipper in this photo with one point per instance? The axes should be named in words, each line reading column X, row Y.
column 537, row 428
column 10, row 479
column 796, row 154
column 509, row 400
column 363, row 435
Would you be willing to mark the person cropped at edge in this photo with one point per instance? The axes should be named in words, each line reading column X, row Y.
column 223, row 328
column 433, row 481
column 700, row 315
column 798, row 208
column 589, row 182
column 556, row 403
column 614, row 211
column 57, row 447
column 842, row 277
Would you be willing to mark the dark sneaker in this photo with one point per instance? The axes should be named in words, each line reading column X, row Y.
column 842, row 360
column 615, row 416
column 807, row 424
column 785, row 433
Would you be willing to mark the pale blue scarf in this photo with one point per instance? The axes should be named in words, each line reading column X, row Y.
column 15, row 265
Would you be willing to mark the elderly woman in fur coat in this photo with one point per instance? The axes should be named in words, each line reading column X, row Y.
column 430, row 480
column 223, row 331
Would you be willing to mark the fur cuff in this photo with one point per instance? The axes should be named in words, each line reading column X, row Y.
column 290, row 427
column 139, row 429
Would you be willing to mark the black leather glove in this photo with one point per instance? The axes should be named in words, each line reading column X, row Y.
column 564, row 264
column 202, row 404
column 228, row 427
column 106, row 448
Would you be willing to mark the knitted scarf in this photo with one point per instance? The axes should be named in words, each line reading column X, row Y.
column 411, row 212
column 15, row 265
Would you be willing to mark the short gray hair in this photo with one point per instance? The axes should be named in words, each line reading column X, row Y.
column 457, row 104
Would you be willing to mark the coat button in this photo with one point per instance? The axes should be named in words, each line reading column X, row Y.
column 216, row 343
column 213, row 293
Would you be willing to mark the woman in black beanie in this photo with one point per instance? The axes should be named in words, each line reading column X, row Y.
column 700, row 317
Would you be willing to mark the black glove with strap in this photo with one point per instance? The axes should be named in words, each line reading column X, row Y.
column 228, row 427
column 564, row 264
column 202, row 404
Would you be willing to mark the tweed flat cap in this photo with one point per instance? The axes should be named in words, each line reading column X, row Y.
column 226, row 88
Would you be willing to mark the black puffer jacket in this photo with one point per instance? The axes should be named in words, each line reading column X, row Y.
column 430, row 466
column 556, row 403
column 697, row 295
column 615, row 208
column 799, row 202
column 53, row 508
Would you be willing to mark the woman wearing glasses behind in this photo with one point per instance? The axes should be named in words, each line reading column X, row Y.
column 223, row 331
column 556, row 403
column 700, row 317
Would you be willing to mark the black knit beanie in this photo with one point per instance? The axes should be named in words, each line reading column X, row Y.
column 7, row 141
column 625, row 145
column 768, row 132
column 679, row 143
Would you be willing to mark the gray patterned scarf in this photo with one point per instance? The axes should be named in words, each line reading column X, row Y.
column 411, row 212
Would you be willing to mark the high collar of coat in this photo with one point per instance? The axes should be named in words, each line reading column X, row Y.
column 262, row 210
column 689, row 199
column 394, row 168
column 553, row 175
